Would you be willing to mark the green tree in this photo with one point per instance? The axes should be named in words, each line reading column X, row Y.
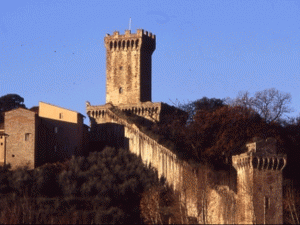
column 113, row 179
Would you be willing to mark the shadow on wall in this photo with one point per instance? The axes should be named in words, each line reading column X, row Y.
column 108, row 134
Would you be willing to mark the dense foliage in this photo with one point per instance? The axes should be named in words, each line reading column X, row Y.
column 105, row 187
column 9, row 102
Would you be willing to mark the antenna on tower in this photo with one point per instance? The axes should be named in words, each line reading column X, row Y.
column 130, row 23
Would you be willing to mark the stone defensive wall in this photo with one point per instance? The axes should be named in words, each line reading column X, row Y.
column 179, row 174
column 153, row 111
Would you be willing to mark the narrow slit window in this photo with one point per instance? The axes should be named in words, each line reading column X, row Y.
column 121, row 90
column 267, row 203
column 27, row 135
column 60, row 116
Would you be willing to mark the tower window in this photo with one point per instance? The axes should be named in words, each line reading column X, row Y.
column 60, row 116
column 267, row 203
column 27, row 137
column 121, row 90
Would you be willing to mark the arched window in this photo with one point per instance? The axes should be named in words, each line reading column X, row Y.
column 132, row 43
column 111, row 45
column 128, row 44
column 123, row 45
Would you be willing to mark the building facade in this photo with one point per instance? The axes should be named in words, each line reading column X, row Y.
column 44, row 134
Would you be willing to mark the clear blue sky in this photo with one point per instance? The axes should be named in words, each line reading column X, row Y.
column 53, row 51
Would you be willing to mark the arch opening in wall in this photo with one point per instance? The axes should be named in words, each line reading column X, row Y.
column 123, row 45
column 110, row 45
column 128, row 44
column 115, row 45
column 132, row 43
column 119, row 44
column 136, row 43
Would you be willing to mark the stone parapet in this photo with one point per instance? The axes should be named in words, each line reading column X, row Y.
column 153, row 111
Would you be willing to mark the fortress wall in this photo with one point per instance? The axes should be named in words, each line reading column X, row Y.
column 203, row 202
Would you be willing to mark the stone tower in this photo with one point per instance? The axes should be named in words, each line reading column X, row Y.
column 128, row 67
column 259, row 183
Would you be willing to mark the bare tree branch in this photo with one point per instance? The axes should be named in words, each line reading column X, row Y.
column 269, row 103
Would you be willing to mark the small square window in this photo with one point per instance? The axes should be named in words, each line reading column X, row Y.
column 1, row 143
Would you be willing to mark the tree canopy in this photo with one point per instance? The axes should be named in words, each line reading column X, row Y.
column 9, row 102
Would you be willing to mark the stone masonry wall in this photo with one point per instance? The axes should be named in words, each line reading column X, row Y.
column 20, row 125
column 128, row 67
column 2, row 146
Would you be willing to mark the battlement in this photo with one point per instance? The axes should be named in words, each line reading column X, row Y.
column 261, row 154
column 129, row 41
column 128, row 34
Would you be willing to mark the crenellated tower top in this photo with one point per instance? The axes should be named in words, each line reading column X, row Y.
column 129, row 41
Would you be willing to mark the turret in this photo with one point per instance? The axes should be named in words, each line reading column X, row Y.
column 259, row 183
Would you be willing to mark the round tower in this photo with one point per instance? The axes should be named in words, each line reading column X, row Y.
column 259, row 183
column 128, row 67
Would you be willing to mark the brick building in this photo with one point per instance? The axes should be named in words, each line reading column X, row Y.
column 43, row 134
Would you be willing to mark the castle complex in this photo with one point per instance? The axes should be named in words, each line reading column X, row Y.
column 254, row 196
column 250, row 193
